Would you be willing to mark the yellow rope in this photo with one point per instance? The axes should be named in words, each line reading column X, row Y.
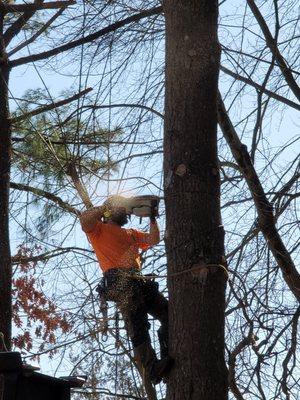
column 194, row 269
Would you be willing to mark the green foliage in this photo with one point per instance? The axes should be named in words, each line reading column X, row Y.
column 47, row 143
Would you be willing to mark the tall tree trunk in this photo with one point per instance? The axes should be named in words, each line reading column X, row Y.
column 5, row 151
column 194, row 232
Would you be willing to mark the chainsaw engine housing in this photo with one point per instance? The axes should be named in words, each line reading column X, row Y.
column 142, row 206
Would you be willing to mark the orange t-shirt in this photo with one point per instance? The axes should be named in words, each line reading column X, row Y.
column 117, row 247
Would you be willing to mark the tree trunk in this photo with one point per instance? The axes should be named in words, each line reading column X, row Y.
column 5, row 151
column 194, row 232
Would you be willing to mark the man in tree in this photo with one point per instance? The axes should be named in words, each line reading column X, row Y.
column 117, row 250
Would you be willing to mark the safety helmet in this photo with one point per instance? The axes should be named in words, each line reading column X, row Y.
column 115, row 201
column 111, row 212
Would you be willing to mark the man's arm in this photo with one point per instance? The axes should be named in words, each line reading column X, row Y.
column 154, row 231
column 89, row 218
column 153, row 238
column 149, row 239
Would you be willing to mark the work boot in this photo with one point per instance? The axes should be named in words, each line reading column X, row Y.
column 152, row 367
column 161, row 369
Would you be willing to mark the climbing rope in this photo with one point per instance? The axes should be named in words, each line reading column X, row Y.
column 175, row 274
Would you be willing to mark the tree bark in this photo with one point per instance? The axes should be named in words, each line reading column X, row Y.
column 194, row 232
column 5, row 150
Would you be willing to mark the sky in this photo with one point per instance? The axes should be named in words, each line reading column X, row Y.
column 28, row 77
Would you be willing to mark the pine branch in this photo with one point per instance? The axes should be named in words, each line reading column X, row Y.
column 89, row 38
column 51, row 106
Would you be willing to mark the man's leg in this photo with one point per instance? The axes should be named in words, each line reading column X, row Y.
column 136, row 319
column 157, row 306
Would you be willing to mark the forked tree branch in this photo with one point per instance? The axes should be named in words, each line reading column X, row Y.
column 37, row 34
column 266, row 220
column 17, row 25
column 271, row 43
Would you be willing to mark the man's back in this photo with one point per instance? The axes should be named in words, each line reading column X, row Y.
column 117, row 247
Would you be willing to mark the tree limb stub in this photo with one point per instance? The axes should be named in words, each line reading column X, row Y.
column 72, row 172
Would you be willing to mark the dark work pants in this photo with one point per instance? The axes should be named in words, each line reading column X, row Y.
column 136, row 297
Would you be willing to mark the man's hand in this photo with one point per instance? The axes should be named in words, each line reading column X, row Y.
column 152, row 219
column 154, row 212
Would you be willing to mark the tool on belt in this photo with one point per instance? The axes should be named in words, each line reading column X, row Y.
column 105, row 295
column 102, row 292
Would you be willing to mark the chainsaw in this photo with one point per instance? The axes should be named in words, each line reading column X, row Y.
column 142, row 206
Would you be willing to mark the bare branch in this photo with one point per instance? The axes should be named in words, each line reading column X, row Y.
column 107, row 392
column 51, row 106
column 274, row 49
column 37, row 34
column 19, row 259
column 71, row 45
column 126, row 105
column 33, row 7
column 259, row 59
column 16, row 27
column 260, row 88
column 49, row 196
column 247, row 341
column 290, row 353
column 264, row 209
